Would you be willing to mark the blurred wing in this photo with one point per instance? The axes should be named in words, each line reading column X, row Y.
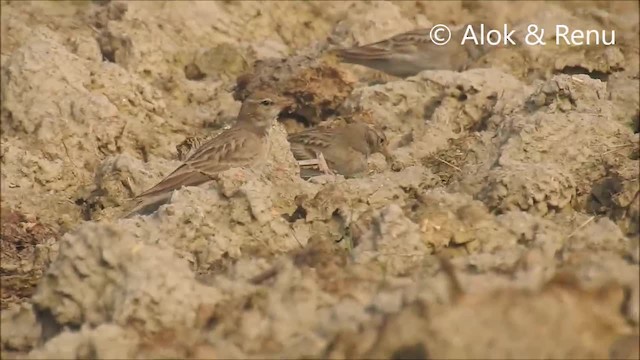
column 401, row 43
column 410, row 38
column 306, row 144
column 233, row 148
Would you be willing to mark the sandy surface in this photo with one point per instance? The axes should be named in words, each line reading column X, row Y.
column 506, row 227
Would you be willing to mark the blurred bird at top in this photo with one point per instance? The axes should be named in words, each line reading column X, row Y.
column 409, row 53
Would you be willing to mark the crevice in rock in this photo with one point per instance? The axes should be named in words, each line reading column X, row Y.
column 577, row 70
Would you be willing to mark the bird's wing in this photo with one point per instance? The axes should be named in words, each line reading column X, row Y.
column 235, row 147
column 305, row 145
column 401, row 43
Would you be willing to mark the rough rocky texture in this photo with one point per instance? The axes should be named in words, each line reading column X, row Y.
column 559, row 310
column 507, row 224
column 27, row 248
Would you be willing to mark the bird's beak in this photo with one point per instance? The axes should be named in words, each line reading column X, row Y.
column 387, row 154
column 287, row 103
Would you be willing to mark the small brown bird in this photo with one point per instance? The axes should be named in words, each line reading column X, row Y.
column 411, row 52
column 344, row 149
column 243, row 145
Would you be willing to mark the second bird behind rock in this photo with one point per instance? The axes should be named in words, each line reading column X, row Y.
column 345, row 149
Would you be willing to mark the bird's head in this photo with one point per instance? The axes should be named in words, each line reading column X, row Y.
column 377, row 140
column 262, row 108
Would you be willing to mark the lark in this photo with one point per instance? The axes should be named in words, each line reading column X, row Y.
column 343, row 150
column 244, row 145
column 409, row 53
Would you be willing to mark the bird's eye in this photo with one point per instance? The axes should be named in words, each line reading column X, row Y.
column 381, row 141
column 266, row 102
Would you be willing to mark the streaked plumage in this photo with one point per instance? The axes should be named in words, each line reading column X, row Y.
column 411, row 52
column 243, row 145
column 186, row 148
column 345, row 149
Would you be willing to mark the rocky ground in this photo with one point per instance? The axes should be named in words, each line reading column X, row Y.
column 506, row 227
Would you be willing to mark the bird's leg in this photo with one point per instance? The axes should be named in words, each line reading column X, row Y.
column 319, row 161
column 322, row 165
